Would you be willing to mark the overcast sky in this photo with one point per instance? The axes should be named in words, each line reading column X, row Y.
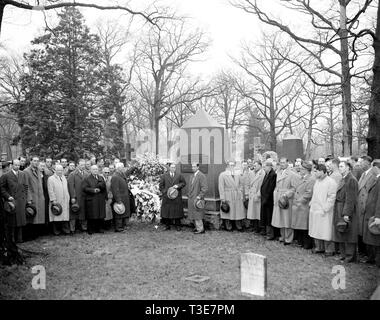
column 225, row 25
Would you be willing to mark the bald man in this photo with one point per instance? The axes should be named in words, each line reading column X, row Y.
column 95, row 196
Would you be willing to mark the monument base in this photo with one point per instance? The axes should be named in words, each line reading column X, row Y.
column 212, row 220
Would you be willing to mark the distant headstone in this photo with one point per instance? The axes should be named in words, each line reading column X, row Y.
column 253, row 274
column 292, row 148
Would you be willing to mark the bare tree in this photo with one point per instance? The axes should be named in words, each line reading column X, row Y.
column 332, row 30
column 163, row 84
column 151, row 16
column 273, row 86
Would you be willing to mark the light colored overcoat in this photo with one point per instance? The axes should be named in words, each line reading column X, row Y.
column 58, row 192
column 230, row 189
column 254, row 194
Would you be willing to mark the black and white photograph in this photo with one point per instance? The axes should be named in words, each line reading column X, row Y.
column 213, row 152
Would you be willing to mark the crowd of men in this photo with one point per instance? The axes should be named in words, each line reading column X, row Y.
column 331, row 206
column 42, row 197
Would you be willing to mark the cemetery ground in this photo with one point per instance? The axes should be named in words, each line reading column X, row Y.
column 149, row 263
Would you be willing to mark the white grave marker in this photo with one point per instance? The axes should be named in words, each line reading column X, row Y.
column 253, row 273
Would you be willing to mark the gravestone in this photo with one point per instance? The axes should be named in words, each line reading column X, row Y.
column 203, row 141
column 253, row 268
column 292, row 148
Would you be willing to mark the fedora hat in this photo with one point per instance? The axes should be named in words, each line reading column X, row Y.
column 375, row 229
column 75, row 207
column 172, row 193
column 342, row 226
column 9, row 206
column 30, row 210
column 225, row 207
column 283, row 202
column 199, row 203
column 119, row 208
column 56, row 209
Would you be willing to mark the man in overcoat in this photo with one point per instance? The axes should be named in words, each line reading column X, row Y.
column 14, row 187
column 197, row 190
column 231, row 191
column 345, row 210
column 372, row 209
column 74, row 181
column 301, row 206
column 35, row 194
column 266, row 206
column 172, row 209
column 59, row 194
column 120, row 194
column 255, row 180
column 95, row 196
column 366, row 182
column 286, row 184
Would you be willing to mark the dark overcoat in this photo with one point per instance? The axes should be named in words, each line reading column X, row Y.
column 345, row 205
column 266, row 191
column 120, row 193
column 171, row 208
column 372, row 208
column 95, row 203
column 74, row 183
column 198, row 188
column 16, row 187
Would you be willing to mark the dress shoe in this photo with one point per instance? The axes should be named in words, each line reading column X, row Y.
column 342, row 258
column 100, row 231
column 369, row 261
column 329, row 254
column 318, row 251
column 270, row 238
column 119, row 230
column 349, row 260
column 178, row 228
column 287, row 243
column 199, row 232
column 167, row 228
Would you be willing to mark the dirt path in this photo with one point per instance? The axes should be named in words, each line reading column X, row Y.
column 149, row 263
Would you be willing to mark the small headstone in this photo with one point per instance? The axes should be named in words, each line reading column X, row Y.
column 197, row 278
column 253, row 274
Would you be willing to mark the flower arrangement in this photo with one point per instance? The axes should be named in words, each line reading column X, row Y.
column 144, row 175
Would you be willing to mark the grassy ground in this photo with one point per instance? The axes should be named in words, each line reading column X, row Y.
column 150, row 263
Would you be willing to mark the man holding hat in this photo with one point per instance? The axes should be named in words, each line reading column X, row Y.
column 120, row 195
column 197, row 190
column 301, row 206
column 14, row 188
column 171, row 184
column 59, row 197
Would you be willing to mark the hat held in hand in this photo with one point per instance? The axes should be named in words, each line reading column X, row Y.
column 30, row 210
column 56, row 209
column 119, row 208
column 172, row 193
column 373, row 228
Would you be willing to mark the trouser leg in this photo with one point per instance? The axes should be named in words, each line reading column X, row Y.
column 270, row 232
column 72, row 225
column 376, row 250
column 118, row 224
column 282, row 234
column 288, row 235
column 362, row 248
column 319, row 245
column 199, row 225
column 238, row 224
column 228, row 224
column 307, row 240
column 83, row 225
column 18, row 235
column 55, row 228
column 66, row 227
column 350, row 251
column 330, row 246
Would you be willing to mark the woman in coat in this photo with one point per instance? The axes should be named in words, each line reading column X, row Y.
column 345, row 211
column 120, row 194
column 231, row 191
column 253, row 193
column 372, row 208
column 59, row 193
column 301, row 205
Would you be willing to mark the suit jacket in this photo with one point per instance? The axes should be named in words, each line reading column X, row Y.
column 16, row 187
column 74, row 182
column 95, row 203
column 120, row 193
column 266, row 191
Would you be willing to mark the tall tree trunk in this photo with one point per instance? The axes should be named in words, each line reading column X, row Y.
column 310, row 131
column 331, row 124
column 346, row 82
column 373, row 137
column 272, row 122
column 156, row 131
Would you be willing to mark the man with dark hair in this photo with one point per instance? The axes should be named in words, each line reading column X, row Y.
column 23, row 164
column 49, row 167
column 266, row 192
column 357, row 169
column 321, row 211
column 366, row 183
column 372, row 209
column 14, row 187
column 197, row 190
column 172, row 207
column 345, row 211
